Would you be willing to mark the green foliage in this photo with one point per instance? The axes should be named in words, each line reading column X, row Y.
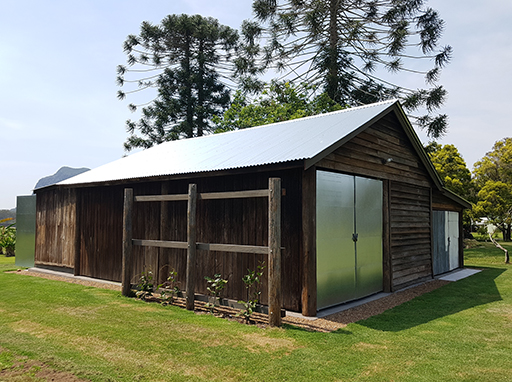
column 451, row 168
column 454, row 173
column 280, row 102
column 186, row 59
column 495, row 203
column 170, row 288
column 215, row 287
column 496, row 165
column 493, row 176
column 7, row 238
column 340, row 45
column 252, row 282
column 145, row 285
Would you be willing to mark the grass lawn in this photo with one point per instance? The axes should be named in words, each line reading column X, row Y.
column 460, row 332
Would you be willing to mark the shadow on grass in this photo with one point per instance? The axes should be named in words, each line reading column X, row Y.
column 455, row 297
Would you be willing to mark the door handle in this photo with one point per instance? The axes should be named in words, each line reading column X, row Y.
column 354, row 237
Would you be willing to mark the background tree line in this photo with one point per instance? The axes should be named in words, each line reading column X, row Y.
column 488, row 188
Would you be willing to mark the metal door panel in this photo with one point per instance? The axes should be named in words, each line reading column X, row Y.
column 347, row 270
column 335, row 248
column 368, row 207
column 452, row 233
column 440, row 257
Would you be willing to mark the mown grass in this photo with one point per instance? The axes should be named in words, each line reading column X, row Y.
column 460, row 332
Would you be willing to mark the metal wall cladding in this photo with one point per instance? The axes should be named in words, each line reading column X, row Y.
column 348, row 269
column 25, row 230
column 446, row 241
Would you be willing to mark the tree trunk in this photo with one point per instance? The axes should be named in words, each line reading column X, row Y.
column 332, row 73
column 507, row 233
column 507, row 257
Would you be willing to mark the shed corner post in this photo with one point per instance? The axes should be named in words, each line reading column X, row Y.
column 191, row 245
column 127, row 241
column 309, row 273
column 274, row 249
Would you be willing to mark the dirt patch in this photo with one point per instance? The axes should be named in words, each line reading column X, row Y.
column 326, row 324
column 28, row 371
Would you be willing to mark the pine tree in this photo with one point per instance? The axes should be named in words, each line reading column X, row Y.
column 188, row 59
column 343, row 43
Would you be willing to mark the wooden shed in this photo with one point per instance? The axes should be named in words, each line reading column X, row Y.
column 363, row 209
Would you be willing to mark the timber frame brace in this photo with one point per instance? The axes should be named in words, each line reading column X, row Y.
column 273, row 250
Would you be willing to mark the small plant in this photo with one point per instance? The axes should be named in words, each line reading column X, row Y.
column 7, row 238
column 145, row 285
column 252, row 282
column 215, row 287
column 169, row 289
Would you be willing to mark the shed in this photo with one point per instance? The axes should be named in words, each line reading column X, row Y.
column 364, row 210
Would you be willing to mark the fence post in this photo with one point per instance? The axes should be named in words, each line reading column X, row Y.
column 127, row 241
column 274, row 244
column 191, row 246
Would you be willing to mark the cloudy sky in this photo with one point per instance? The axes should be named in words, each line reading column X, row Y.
column 58, row 59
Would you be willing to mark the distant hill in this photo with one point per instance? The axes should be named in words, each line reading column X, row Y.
column 63, row 174
column 5, row 214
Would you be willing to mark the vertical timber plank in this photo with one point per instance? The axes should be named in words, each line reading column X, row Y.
column 309, row 298
column 77, row 234
column 274, row 244
column 191, row 249
column 127, row 241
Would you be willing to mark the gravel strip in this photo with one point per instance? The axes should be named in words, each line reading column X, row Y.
column 326, row 324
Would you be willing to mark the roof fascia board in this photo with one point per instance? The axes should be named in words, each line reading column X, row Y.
column 336, row 145
column 456, row 198
column 418, row 146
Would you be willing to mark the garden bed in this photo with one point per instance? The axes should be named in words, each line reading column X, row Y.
column 326, row 324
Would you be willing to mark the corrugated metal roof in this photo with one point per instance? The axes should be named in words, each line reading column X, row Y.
column 298, row 139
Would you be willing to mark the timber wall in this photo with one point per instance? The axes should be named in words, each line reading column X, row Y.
column 55, row 228
column 236, row 221
column 407, row 243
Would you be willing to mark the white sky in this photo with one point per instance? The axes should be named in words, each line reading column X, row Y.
column 58, row 59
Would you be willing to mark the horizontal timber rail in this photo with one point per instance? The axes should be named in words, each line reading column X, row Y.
column 273, row 250
column 205, row 196
column 259, row 250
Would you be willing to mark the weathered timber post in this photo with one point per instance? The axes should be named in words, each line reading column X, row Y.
column 164, row 232
column 274, row 249
column 127, row 241
column 309, row 297
column 191, row 246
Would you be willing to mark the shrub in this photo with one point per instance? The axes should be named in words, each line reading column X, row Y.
column 7, row 238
